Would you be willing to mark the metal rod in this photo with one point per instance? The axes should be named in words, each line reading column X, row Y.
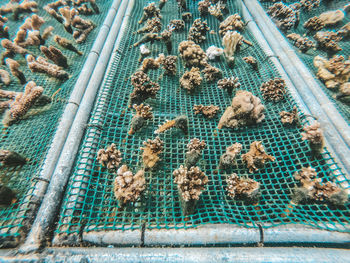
column 334, row 126
column 51, row 201
column 83, row 173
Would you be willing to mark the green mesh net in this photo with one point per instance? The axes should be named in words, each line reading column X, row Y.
column 89, row 203
column 31, row 137
column 308, row 57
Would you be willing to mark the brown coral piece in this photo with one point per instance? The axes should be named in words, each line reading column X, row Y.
column 198, row 30
column 216, row 11
column 128, row 187
column 180, row 122
column 177, row 25
column 309, row 5
column 144, row 88
column 17, row 8
column 256, row 157
column 13, row 48
column 208, row 111
column 251, row 61
column 245, row 109
column 190, row 182
column 285, row 17
column 314, row 135
column 228, row 159
column 327, row 40
column 194, row 153
column 328, row 192
column 344, row 31
column 305, row 176
column 5, row 77
column 65, row 43
column 143, row 113
column 289, row 117
column 314, row 24
column 332, row 17
column 22, row 103
column 229, row 84
column 110, row 157
column 166, row 38
column 333, row 72
column 55, row 55
column 203, row 7
column 10, row 158
column 192, row 54
column 14, row 69
column 274, row 89
column 149, row 37
column 152, row 63
column 41, row 65
column 211, row 73
column 187, row 16
column 303, row 43
column 244, row 188
column 153, row 25
column 151, row 151
column 150, row 11
column 232, row 41
column 191, row 79
column 169, row 65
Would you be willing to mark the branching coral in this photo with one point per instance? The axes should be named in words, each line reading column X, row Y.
column 4, row 30
column 256, row 157
column 344, row 31
column 303, row 43
column 41, row 65
column 192, row 54
column 228, row 159
column 274, row 89
column 65, row 43
column 289, row 117
column 194, row 152
column 198, row 30
column 29, row 32
column 152, row 25
column 203, row 7
column 22, row 103
column 216, row 11
column 178, row 25
column 5, row 77
column 144, row 88
column 333, row 72
column 314, row 135
column 246, row 109
column 214, row 52
column 191, row 182
column 152, row 63
column 229, row 84
column 10, row 158
column 151, row 151
column 242, row 188
column 169, row 65
column 187, row 16
column 232, row 41
column 150, row 11
column 284, row 16
column 7, row 196
column 309, row 4
column 110, row 157
column 180, row 122
column 55, row 55
column 14, row 68
column 327, row 40
column 143, row 113
column 328, row 192
column 12, row 49
column 128, row 187
column 211, row 73
column 17, row 8
column 149, row 37
column 305, row 176
column 314, row 24
column 343, row 93
column 251, row 61
column 208, row 111
column 191, row 79
column 166, row 38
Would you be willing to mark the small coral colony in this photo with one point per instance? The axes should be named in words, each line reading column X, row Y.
column 245, row 109
column 29, row 47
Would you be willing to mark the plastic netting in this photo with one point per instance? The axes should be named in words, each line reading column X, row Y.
column 31, row 137
column 89, row 203
column 308, row 57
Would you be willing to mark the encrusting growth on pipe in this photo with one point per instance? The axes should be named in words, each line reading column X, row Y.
column 143, row 113
column 22, row 103
column 256, row 157
column 242, row 188
column 180, row 122
column 110, row 157
column 151, row 151
column 228, row 159
column 194, row 152
column 128, row 187
column 314, row 135
column 245, row 109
